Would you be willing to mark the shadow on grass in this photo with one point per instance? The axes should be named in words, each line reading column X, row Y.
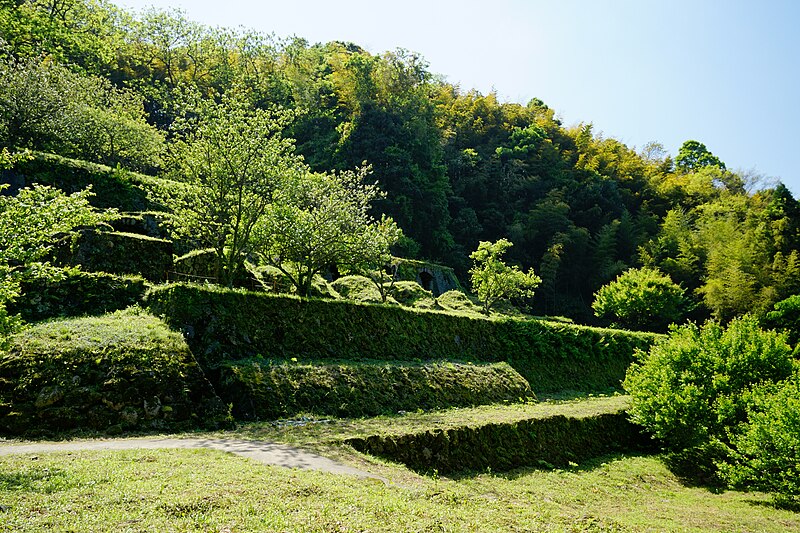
column 41, row 481
column 696, row 468
column 587, row 465
column 779, row 503
column 572, row 395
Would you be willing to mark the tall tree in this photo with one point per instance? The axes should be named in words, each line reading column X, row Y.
column 233, row 158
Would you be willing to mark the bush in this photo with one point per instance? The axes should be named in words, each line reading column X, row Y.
column 77, row 293
column 458, row 301
column 357, row 288
column 259, row 388
column 786, row 317
column 641, row 299
column 689, row 390
column 124, row 371
column 219, row 326
column 411, row 294
column 320, row 288
column 766, row 450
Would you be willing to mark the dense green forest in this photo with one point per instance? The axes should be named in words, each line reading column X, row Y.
column 84, row 79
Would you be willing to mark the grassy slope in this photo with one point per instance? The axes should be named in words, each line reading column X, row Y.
column 203, row 490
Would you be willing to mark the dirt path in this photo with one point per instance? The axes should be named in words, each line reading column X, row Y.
column 264, row 452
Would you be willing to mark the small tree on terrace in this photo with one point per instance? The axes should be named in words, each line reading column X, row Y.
column 234, row 158
column 317, row 220
column 493, row 280
column 374, row 256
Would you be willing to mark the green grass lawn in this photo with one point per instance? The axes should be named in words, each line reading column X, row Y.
column 205, row 490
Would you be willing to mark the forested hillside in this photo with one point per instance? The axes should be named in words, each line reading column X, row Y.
column 84, row 79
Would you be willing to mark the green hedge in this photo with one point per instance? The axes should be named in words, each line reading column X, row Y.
column 113, row 187
column 258, row 388
column 124, row 371
column 119, row 253
column 549, row 442
column 225, row 325
column 78, row 293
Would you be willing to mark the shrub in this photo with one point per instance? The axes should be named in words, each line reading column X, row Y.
column 458, row 301
column 766, row 450
column 689, row 390
column 786, row 317
column 411, row 294
column 320, row 288
column 641, row 299
column 357, row 288
column 123, row 371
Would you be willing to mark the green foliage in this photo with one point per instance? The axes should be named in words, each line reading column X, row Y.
column 31, row 223
column 411, row 294
column 121, row 371
column 357, row 288
column 267, row 390
column 493, row 280
column 694, row 155
column 459, row 167
column 319, row 220
column 320, row 288
column 641, row 299
column 45, row 106
column 76, row 293
column 551, row 356
column 550, row 442
column 111, row 187
column 786, row 317
column 735, row 253
column 68, row 31
column 766, row 451
column 457, row 301
column 689, row 390
column 234, row 158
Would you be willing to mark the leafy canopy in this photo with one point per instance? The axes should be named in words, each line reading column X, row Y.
column 31, row 223
column 46, row 106
column 713, row 392
column 641, row 298
column 493, row 280
column 693, row 155
column 234, row 158
column 318, row 220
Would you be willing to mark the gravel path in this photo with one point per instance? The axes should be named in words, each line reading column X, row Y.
column 265, row 452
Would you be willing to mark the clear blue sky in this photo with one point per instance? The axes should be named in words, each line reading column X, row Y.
column 723, row 72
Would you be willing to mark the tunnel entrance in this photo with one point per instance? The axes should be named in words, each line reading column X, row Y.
column 426, row 280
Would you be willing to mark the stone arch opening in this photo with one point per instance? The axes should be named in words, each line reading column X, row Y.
column 426, row 280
